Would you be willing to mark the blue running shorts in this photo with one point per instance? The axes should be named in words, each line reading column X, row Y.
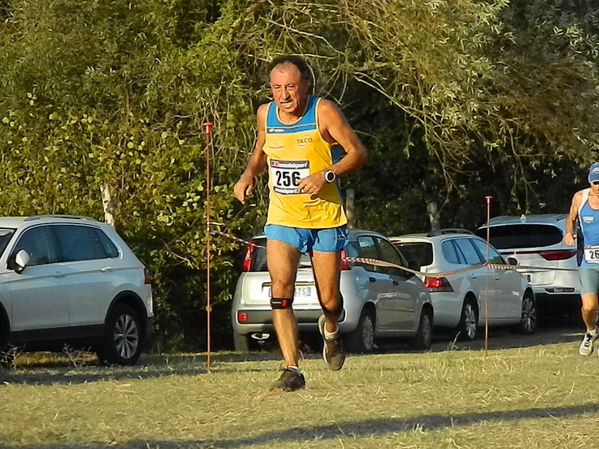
column 326, row 240
column 589, row 278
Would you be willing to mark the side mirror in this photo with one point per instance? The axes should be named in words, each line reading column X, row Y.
column 22, row 259
column 512, row 261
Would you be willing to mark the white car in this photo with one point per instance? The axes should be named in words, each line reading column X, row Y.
column 379, row 302
column 461, row 300
column 71, row 280
column 538, row 241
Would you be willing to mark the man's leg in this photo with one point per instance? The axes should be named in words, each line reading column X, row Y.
column 589, row 279
column 589, row 310
column 283, row 260
column 326, row 266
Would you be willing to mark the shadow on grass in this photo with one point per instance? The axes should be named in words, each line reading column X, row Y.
column 63, row 372
column 359, row 429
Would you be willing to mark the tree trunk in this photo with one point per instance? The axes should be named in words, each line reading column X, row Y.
column 108, row 205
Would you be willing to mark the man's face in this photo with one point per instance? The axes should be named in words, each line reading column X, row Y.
column 595, row 188
column 289, row 90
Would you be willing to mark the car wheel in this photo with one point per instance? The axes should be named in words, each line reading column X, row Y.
column 468, row 321
column 528, row 320
column 123, row 340
column 7, row 351
column 424, row 336
column 241, row 343
column 362, row 339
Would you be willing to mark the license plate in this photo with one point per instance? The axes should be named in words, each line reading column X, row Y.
column 300, row 291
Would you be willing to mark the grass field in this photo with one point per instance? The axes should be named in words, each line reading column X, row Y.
column 542, row 396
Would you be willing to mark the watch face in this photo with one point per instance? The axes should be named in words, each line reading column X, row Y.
column 329, row 176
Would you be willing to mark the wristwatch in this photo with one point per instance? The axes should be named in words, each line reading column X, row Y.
column 329, row 176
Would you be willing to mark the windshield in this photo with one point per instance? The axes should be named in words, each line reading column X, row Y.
column 522, row 235
column 419, row 252
column 5, row 236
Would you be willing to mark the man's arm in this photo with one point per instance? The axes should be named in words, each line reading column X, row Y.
column 244, row 187
column 334, row 129
column 571, row 218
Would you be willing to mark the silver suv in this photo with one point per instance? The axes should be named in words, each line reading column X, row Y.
column 71, row 280
column 379, row 301
column 538, row 241
column 464, row 294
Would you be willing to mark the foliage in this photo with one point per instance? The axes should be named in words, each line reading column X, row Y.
column 454, row 99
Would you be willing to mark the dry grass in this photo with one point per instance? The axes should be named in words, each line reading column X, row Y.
column 535, row 397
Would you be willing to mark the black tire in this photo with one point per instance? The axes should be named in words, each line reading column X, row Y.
column 528, row 319
column 361, row 341
column 241, row 343
column 7, row 353
column 424, row 336
column 468, row 324
column 123, row 337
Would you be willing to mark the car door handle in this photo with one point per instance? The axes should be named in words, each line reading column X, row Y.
column 59, row 274
column 371, row 279
column 395, row 282
column 106, row 270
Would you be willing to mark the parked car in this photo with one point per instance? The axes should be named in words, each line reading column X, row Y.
column 461, row 300
column 71, row 280
column 379, row 302
column 538, row 241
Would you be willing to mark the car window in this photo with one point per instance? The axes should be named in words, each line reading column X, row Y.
column 522, row 235
column 467, row 251
column 450, row 252
column 5, row 236
column 111, row 250
column 39, row 243
column 81, row 243
column 494, row 256
column 388, row 253
column 367, row 249
column 419, row 252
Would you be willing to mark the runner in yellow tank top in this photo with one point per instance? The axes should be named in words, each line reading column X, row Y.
column 296, row 133
column 294, row 152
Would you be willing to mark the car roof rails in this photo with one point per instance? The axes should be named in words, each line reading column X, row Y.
column 448, row 231
column 72, row 217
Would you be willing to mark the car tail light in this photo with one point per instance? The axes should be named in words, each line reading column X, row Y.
column 560, row 254
column 247, row 260
column 345, row 265
column 242, row 317
column 147, row 276
column 437, row 284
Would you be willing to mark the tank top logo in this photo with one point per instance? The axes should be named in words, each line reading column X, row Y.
column 302, row 141
column 588, row 219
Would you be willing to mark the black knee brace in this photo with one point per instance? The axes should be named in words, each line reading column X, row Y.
column 338, row 310
column 281, row 303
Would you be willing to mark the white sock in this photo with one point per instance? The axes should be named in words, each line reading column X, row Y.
column 330, row 335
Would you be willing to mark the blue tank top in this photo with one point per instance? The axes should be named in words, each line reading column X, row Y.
column 589, row 224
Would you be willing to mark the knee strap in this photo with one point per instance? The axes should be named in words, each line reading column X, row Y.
column 281, row 303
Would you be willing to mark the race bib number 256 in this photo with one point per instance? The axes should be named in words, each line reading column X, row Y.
column 286, row 175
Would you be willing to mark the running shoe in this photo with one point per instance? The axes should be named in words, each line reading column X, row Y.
column 586, row 347
column 332, row 348
column 290, row 380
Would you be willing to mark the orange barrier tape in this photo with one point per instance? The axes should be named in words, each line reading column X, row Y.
column 382, row 263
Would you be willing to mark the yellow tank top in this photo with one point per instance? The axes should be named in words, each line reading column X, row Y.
column 295, row 152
